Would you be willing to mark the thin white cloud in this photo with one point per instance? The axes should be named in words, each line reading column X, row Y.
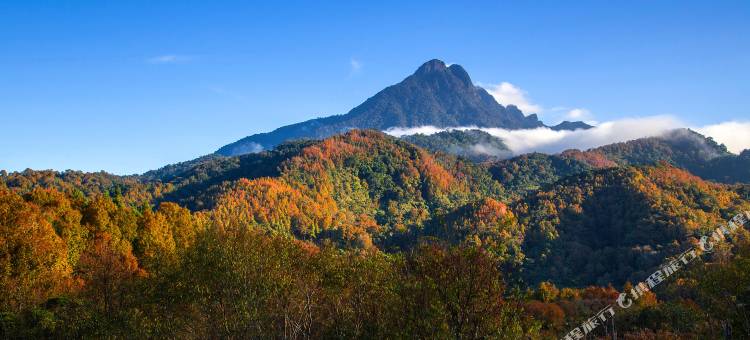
column 355, row 66
column 735, row 135
column 578, row 114
column 424, row 130
column 549, row 141
column 230, row 94
column 506, row 93
column 168, row 59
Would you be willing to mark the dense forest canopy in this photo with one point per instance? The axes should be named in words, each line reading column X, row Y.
column 367, row 235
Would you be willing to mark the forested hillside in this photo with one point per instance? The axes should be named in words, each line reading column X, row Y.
column 476, row 145
column 615, row 225
column 367, row 235
column 681, row 148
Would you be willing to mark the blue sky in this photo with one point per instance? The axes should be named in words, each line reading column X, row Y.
column 128, row 86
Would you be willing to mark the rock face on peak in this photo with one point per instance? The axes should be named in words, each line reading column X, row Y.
column 434, row 65
column 440, row 96
column 436, row 94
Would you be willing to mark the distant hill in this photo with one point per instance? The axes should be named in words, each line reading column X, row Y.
column 682, row 148
column 567, row 125
column 436, row 94
column 477, row 145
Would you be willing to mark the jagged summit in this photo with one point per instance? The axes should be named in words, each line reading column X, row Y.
column 434, row 65
column 435, row 94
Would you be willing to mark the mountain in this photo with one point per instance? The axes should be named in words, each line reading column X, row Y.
column 436, row 95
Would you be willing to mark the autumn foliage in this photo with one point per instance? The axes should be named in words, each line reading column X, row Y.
column 366, row 236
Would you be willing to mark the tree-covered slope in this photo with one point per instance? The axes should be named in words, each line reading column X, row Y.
column 685, row 149
column 364, row 235
column 531, row 171
column 476, row 145
column 359, row 188
column 613, row 225
column 681, row 148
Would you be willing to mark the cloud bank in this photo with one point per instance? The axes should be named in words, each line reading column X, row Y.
column 508, row 94
column 735, row 135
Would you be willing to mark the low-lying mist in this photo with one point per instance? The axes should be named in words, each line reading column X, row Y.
column 736, row 136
